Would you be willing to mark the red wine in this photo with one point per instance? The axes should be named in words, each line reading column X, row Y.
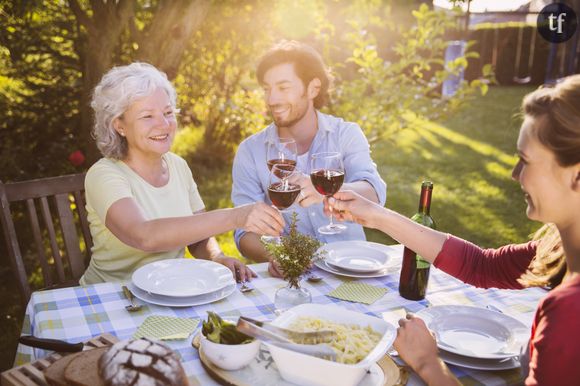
column 282, row 197
column 327, row 182
column 415, row 270
column 285, row 164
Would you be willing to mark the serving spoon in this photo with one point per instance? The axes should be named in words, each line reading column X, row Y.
column 303, row 337
column 320, row 350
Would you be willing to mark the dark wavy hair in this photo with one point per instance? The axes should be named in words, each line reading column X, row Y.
column 307, row 63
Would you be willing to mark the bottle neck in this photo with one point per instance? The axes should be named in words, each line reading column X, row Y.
column 425, row 201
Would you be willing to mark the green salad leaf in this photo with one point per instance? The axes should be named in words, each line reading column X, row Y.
column 217, row 330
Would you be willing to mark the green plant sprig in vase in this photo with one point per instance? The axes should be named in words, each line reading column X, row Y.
column 294, row 253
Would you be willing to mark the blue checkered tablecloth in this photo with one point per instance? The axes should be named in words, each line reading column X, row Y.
column 80, row 313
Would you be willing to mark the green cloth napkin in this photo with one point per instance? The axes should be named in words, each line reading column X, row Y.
column 166, row 328
column 358, row 292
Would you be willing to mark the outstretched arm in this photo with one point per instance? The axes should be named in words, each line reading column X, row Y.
column 128, row 223
column 350, row 206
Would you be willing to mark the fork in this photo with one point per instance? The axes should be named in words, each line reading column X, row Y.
column 133, row 307
column 245, row 287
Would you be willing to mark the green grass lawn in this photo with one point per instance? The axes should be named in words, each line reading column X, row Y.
column 468, row 157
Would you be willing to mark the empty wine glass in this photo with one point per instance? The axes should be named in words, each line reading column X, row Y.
column 284, row 152
column 327, row 176
column 282, row 193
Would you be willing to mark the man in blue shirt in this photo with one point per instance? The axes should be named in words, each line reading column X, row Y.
column 296, row 82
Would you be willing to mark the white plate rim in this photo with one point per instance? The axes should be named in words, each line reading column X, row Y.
column 479, row 363
column 337, row 263
column 143, row 284
column 326, row 267
column 521, row 332
column 182, row 302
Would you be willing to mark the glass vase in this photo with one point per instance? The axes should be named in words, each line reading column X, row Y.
column 290, row 296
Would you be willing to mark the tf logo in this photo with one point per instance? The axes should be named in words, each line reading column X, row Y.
column 557, row 22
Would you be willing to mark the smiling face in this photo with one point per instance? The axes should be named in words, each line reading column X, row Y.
column 547, row 186
column 149, row 125
column 287, row 98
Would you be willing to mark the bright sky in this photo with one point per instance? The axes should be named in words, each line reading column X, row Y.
column 485, row 5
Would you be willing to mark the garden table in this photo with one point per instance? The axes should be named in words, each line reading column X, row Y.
column 80, row 313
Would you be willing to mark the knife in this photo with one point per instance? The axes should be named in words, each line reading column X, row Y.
column 51, row 344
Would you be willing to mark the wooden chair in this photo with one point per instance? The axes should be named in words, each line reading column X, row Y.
column 64, row 263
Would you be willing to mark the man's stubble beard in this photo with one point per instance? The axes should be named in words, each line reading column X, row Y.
column 292, row 122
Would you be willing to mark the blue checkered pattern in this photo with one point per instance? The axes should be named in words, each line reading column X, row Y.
column 80, row 313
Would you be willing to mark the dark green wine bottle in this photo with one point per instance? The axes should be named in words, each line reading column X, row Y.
column 415, row 270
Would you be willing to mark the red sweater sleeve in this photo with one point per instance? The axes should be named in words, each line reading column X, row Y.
column 555, row 344
column 485, row 268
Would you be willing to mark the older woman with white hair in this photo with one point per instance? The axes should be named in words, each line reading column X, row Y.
column 142, row 202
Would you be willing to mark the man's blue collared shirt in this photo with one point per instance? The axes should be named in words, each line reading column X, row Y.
column 251, row 175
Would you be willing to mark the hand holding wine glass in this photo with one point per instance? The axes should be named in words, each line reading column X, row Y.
column 351, row 206
column 327, row 176
column 259, row 218
column 308, row 193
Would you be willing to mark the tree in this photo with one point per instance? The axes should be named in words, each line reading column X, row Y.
column 55, row 53
column 156, row 32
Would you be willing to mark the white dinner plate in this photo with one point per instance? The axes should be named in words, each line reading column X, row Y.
column 169, row 301
column 356, row 260
column 182, row 277
column 392, row 255
column 475, row 332
column 479, row 364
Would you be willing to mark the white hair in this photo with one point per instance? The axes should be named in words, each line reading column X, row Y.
column 115, row 93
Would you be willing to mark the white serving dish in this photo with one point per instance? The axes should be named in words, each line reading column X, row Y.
column 230, row 356
column 306, row 370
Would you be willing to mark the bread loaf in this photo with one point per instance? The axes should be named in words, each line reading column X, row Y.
column 54, row 374
column 141, row 362
column 82, row 369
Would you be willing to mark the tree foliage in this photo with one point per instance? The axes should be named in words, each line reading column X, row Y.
column 388, row 64
column 218, row 94
column 39, row 89
column 387, row 94
column 54, row 53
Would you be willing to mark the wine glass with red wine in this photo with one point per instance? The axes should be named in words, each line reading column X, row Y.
column 327, row 176
column 284, row 152
column 281, row 191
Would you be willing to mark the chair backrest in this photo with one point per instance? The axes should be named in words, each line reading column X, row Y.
column 58, row 243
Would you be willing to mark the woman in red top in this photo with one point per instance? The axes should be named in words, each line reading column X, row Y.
column 548, row 171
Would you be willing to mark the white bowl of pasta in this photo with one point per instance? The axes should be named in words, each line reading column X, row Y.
column 361, row 341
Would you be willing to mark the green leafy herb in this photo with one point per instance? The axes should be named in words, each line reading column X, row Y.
column 217, row 330
column 295, row 253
